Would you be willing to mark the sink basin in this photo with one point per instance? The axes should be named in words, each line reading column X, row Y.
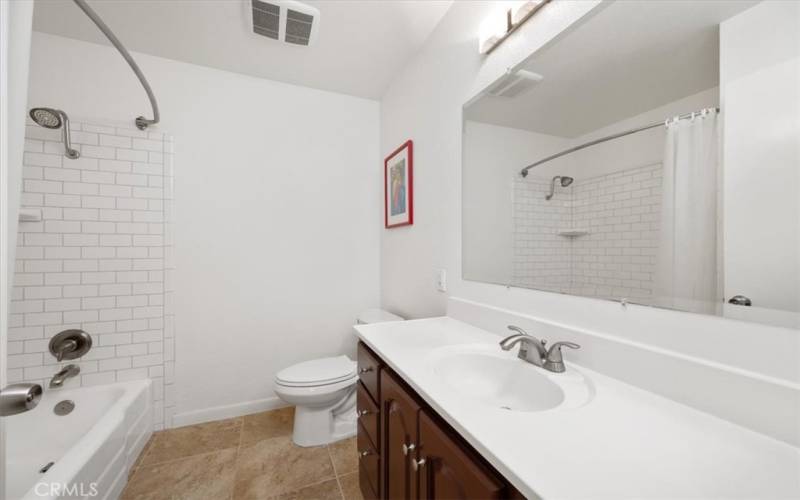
column 488, row 376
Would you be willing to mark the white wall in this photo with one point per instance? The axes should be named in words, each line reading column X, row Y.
column 493, row 156
column 276, row 223
column 760, row 80
column 424, row 104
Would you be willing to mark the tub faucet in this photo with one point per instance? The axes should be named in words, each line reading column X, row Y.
column 59, row 378
column 549, row 359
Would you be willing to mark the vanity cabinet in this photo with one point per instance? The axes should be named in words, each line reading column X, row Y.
column 400, row 412
column 420, row 455
column 447, row 470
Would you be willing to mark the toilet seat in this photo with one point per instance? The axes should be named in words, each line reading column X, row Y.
column 317, row 372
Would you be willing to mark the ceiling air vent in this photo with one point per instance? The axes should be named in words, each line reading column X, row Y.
column 285, row 20
column 513, row 84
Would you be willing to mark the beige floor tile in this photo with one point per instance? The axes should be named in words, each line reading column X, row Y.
column 326, row 490
column 141, row 456
column 345, row 456
column 202, row 477
column 193, row 440
column 350, row 487
column 276, row 466
column 267, row 425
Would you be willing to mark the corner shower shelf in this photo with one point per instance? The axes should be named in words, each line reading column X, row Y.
column 30, row 215
column 572, row 233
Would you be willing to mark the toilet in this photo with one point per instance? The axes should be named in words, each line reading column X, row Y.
column 323, row 392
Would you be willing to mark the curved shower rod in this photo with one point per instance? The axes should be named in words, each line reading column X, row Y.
column 524, row 171
column 141, row 122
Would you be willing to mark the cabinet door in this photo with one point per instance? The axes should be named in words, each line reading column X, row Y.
column 447, row 470
column 399, row 410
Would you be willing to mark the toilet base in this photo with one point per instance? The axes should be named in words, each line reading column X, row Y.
column 317, row 426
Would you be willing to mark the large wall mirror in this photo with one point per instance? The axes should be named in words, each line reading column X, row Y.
column 649, row 154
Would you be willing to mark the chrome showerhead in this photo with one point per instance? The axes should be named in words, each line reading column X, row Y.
column 563, row 180
column 53, row 119
column 46, row 117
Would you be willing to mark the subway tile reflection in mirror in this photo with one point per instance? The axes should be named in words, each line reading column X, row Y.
column 635, row 168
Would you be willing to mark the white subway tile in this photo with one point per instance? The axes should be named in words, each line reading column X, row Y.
column 102, row 152
column 132, row 155
column 97, row 202
column 62, row 174
column 80, row 316
column 43, row 160
column 98, row 278
column 80, row 291
column 80, row 265
column 115, row 141
column 71, row 304
column 97, row 177
column 62, row 200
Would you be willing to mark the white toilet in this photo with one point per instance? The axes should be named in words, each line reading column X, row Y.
column 324, row 393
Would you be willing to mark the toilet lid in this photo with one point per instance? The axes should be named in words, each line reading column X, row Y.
column 318, row 372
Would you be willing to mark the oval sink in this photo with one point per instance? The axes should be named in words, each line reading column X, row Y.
column 497, row 379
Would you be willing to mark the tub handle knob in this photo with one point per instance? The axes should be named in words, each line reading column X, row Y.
column 19, row 398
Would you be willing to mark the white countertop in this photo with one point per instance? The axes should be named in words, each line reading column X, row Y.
column 624, row 443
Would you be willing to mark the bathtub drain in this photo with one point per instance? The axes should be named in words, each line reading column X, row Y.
column 64, row 407
column 46, row 468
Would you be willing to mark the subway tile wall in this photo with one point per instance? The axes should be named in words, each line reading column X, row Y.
column 100, row 259
column 542, row 258
column 620, row 213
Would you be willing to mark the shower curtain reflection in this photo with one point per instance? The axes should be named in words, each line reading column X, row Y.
column 687, row 276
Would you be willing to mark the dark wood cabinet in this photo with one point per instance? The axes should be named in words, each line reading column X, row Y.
column 446, row 469
column 400, row 412
column 416, row 454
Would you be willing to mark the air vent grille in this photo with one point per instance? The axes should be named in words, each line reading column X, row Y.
column 298, row 27
column 513, row 84
column 266, row 19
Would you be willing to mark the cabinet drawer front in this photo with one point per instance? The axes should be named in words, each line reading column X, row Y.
column 366, row 488
column 368, row 371
column 368, row 417
column 369, row 462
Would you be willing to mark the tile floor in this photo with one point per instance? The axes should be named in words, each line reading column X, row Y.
column 250, row 457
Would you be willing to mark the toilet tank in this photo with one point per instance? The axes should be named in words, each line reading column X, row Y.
column 376, row 316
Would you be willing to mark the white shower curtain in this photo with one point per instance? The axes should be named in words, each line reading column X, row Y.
column 686, row 276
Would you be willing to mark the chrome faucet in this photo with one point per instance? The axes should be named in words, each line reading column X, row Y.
column 549, row 359
column 59, row 378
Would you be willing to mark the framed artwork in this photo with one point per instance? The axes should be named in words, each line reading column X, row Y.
column 398, row 178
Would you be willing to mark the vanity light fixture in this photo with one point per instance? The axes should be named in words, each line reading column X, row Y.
column 504, row 21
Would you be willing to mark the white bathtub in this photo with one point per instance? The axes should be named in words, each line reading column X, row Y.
column 92, row 448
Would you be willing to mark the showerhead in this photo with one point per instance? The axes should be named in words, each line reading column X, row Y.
column 53, row 119
column 563, row 180
column 46, row 117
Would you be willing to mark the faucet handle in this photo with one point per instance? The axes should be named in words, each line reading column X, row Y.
column 517, row 329
column 554, row 353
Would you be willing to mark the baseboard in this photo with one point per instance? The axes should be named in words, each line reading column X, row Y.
column 227, row 411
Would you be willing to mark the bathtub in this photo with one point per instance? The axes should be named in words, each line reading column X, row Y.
column 92, row 448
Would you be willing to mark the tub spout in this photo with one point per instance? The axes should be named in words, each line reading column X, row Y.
column 59, row 378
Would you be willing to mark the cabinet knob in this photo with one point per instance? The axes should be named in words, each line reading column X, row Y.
column 416, row 464
column 361, row 413
column 408, row 447
column 365, row 453
column 365, row 370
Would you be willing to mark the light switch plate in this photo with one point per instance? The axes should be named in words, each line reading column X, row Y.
column 441, row 280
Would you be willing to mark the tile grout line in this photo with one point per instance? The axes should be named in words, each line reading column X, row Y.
column 335, row 472
column 236, row 459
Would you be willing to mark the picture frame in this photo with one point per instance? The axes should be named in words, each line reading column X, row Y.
column 398, row 182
